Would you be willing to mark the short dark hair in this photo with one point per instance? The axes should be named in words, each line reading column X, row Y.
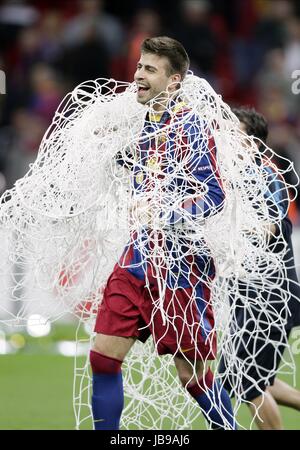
column 255, row 123
column 173, row 50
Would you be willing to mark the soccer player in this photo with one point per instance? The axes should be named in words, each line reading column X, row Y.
column 132, row 289
column 265, row 358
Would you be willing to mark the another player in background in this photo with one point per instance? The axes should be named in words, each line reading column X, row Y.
column 266, row 357
column 128, row 303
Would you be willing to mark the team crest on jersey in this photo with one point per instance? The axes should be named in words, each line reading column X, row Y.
column 161, row 139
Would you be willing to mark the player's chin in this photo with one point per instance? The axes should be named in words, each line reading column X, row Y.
column 142, row 100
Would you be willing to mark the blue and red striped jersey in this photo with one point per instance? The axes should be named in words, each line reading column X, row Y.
column 176, row 148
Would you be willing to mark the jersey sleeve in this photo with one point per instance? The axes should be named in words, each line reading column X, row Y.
column 201, row 188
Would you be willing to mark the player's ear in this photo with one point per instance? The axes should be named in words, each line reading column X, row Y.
column 176, row 78
column 175, row 81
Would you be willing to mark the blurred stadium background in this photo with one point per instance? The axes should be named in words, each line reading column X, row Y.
column 249, row 50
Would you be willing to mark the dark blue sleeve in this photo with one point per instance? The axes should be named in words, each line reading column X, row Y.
column 204, row 168
column 201, row 167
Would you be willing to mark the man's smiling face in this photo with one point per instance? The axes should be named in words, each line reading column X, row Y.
column 152, row 78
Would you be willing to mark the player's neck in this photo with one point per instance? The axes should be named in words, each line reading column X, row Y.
column 159, row 106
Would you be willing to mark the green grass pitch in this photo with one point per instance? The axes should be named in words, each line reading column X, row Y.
column 36, row 393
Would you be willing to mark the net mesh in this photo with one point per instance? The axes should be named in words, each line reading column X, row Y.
column 93, row 191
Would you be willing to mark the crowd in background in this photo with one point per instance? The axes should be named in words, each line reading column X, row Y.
column 248, row 50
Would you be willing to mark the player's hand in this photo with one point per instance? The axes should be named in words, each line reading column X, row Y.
column 145, row 213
